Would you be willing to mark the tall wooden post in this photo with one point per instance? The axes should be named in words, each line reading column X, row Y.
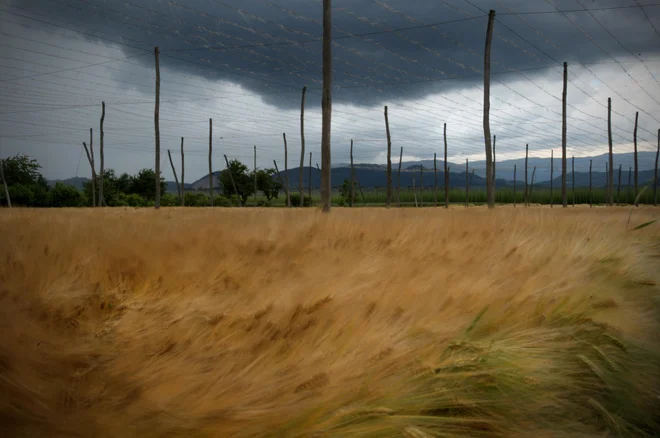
column 514, row 185
column 446, row 169
column 302, row 147
column 102, row 163
column 157, row 127
column 398, row 180
column 467, row 189
column 526, row 186
column 352, row 177
column 389, row 159
column 210, row 161
column 279, row 177
column 591, row 198
column 326, row 105
column 255, row 175
column 4, row 182
column 655, row 173
column 183, row 171
column 489, row 159
column 607, row 179
column 635, row 158
column 421, row 184
column 573, row 176
column 90, row 157
column 176, row 179
column 286, row 173
column 552, row 174
column 435, row 181
column 610, row 191
column 309, row 183
column 618, row 187
column 564, row 196
column 233, row 183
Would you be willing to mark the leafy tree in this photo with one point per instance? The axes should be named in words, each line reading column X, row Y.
column 269, row 185
column 21, row 169
column 144, row 185
column 63, row 195
column 243, row 179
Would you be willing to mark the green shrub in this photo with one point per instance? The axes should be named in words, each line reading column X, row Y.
column 20, row 195
column 132, row 200
column 63, row 195
column 263, row 203
column 221, row 201
column 295, row 200
column 197, row 199
column 169, row 200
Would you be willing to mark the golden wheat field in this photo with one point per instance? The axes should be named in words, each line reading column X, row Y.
column 379, row 323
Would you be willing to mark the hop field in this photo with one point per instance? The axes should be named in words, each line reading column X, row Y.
column 368, row 322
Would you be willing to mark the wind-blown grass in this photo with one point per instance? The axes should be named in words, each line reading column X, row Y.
column 371, row 322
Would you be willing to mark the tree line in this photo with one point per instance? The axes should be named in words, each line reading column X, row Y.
column 27, row 187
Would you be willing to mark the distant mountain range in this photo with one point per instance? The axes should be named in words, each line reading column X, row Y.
column 372, row 176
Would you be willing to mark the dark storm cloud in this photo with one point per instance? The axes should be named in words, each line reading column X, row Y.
column 375, row 69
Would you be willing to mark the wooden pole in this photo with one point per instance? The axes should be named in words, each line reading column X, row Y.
column 352, row 177
column 4, row 182
column 398, row 180
column 489, row 159
column 102, row 164
column 231, row 177
column 286, row 173
column 526, row 186
column 302, row 147
column 573, row 176
column 389, row 160
column 467, row 189
column 90, row 157
column 531, row 187
column 435, row 183
column 309, row 183
column 318, row 168
column 610, row 191
column 628, row 186
column 326, row 105
column 514, row 185
column 157, row 127
column 183, row 171
column 414, row 191
column 421, row 184
column 655, row 173
column 552, row 174
column 255, row 175
column 618, row 187
column 591, row 198
column 210, row 161
column 446, row 169
column 176, row 179
column 564, row 196
column 607, row 178
column 279, row 177
column 635, row 158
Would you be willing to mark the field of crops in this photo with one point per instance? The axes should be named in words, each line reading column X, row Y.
column 525, row 322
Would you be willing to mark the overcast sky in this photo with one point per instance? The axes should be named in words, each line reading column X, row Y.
column 244, row 63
